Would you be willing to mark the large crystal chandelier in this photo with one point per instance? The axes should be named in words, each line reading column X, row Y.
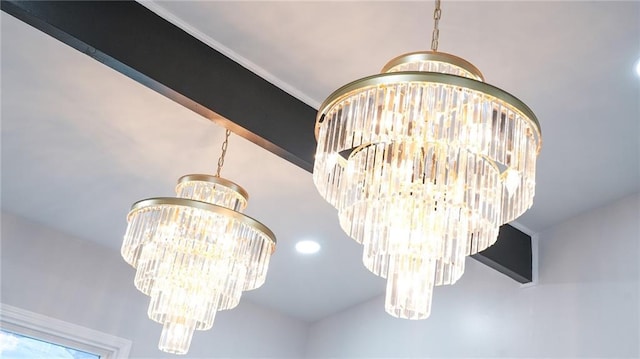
column 424, row 162
column 195, row 254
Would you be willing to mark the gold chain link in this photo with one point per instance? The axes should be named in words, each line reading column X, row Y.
column 437, row 14
column 224, row 152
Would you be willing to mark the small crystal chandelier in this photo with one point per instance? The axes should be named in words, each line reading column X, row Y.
column 424, row 162
column 195, row 253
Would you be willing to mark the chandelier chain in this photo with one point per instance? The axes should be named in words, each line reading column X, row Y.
column 437, row 14
column 225, row 144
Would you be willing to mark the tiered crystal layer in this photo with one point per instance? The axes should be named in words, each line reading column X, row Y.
column 195, row 254
column 423, row 168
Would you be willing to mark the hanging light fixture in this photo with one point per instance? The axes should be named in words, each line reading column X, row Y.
column 424, row 162
column 195, row 254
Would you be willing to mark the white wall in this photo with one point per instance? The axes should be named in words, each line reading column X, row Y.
column 77, row 281
column 585, row 304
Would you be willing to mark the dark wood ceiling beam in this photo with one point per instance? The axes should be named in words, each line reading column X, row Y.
column 133, row 40
column 511, row 255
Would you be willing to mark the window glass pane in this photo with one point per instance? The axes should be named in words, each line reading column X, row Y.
column 16, row 346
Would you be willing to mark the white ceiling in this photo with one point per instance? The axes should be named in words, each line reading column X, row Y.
column 81, row 142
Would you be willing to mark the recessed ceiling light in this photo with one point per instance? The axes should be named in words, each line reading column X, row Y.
column 307, row 247
column 638, row 67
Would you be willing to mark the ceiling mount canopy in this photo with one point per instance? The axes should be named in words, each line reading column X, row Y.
column 195, row 253
column 424, row 162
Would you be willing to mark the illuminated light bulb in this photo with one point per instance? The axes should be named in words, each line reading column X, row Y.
column 512, row 180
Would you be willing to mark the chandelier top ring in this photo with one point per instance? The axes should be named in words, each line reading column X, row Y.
column 429, row 77
column 420, row 56
column 215, row 179
column 176, row 201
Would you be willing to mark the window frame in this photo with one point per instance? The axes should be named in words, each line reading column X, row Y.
column 56, row 331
